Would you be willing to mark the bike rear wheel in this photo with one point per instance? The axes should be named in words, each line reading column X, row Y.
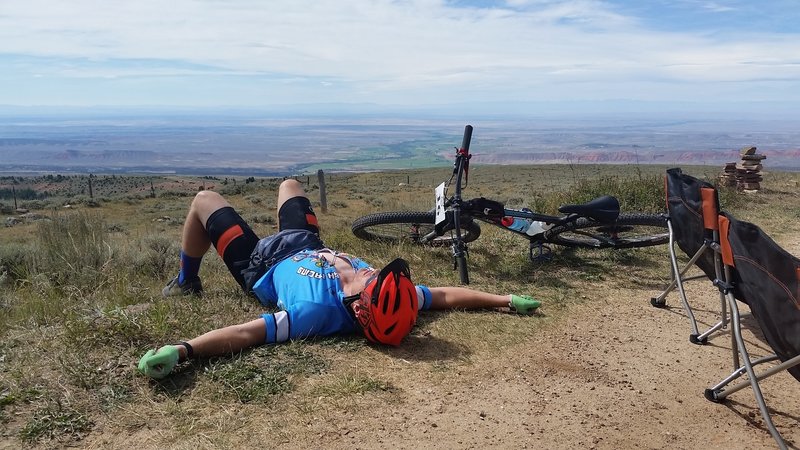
column 409, row 226
column 628, row 231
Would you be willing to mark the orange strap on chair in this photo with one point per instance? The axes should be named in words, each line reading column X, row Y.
column 710, row 213
column 724, row 243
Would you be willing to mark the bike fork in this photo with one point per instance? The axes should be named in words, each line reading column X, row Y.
column 460, row 260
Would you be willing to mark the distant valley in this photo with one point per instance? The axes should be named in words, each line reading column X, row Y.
column 274, row 147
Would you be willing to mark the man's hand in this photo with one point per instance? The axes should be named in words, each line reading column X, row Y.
column 524, row 304
column 158, row 364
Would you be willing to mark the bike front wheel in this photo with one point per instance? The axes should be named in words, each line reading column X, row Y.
column 409, row 226
column 628, row 231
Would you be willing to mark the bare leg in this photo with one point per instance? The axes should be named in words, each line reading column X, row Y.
column 289, row 189
column 458, row 297
column 195, row 241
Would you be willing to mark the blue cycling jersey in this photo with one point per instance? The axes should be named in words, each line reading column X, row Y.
column 307, row 289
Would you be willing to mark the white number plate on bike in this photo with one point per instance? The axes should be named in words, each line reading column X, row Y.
column 440, row 196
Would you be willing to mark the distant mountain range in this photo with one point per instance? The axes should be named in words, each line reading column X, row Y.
column 775, row 158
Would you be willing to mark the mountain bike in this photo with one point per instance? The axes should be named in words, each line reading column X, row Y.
column 454, row 221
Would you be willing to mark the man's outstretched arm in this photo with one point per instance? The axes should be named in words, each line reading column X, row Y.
column 222, row 341
column 228, row 340
column 464, row 298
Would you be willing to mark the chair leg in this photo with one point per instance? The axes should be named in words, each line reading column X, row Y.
column 676, row 275
column 661, row 300
column 718, row 394
column 679, row 278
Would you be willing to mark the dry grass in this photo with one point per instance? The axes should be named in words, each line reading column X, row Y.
column 76, row 314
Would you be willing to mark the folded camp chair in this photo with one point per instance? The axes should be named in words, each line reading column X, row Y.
column 692, row 207
column 767, row 279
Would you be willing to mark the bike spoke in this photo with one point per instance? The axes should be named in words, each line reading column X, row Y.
column 408, row 226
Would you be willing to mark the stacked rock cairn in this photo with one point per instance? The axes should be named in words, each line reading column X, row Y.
column 745, row 174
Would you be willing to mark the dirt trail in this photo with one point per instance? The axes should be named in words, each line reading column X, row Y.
column 618, row 373
column 625, row 376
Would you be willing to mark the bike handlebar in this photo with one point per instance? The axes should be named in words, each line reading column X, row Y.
column 467, row 138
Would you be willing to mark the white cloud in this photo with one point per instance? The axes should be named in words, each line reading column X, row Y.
column 716, row 7
column 384, row 46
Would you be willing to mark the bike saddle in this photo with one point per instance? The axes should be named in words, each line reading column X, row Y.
column 601, row 209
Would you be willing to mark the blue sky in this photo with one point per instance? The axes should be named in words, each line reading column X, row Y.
column 259, row 53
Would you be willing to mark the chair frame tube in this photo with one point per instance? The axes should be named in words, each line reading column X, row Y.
column 677, row 275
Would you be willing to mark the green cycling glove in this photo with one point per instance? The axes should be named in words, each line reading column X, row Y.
column 158, row 364
column 524, row 304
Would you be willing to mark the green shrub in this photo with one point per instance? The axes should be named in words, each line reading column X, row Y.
column 77, row 200
column 154, row 256
column 73, row 250
column 642, row 193
column 15, row 260
column 268, row 219
column 730, row 198
column 133, row 199
column 34, row 204
column 254, row 199
column 174, row 194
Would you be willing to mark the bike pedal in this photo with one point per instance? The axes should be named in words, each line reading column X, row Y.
column 540, row 253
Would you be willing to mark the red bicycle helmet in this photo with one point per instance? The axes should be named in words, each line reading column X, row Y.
column 388, row 308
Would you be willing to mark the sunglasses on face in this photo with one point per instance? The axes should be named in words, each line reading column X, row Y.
column 358, row 307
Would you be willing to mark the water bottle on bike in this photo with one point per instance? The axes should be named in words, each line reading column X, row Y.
column 516, row 223
column 537, row 227
column 527, row 226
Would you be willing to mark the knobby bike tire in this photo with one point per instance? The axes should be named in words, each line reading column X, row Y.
column 409, row 226
column 631, row 230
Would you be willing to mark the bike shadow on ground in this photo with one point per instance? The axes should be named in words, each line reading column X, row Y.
column 565, row 267
column 558, row 269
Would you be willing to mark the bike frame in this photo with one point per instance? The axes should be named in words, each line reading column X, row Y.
column 593, row 224
column 457, row 210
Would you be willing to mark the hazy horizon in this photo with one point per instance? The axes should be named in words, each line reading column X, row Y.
column 247, row 142
column 754, row 111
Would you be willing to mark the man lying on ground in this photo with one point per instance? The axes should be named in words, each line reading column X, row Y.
column 317, row 291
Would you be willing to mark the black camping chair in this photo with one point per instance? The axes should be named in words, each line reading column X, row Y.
column 766, row 278
column 692, row 210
